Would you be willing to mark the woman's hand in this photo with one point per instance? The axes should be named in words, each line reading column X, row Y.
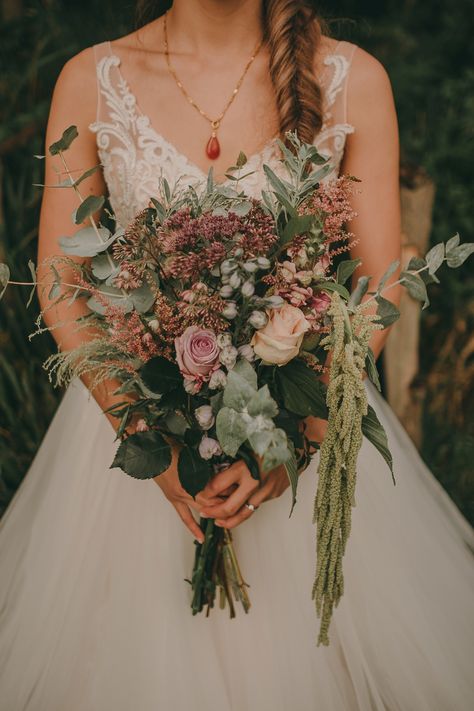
column 170, row 485
column 240, row 487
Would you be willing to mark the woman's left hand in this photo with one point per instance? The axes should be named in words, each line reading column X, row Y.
column 240, row 488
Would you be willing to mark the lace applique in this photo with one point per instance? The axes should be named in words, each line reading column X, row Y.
column 134, row 155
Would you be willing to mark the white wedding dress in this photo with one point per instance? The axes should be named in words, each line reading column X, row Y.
column 93, row 600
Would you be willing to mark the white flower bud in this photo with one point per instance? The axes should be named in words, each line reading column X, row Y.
column 223, row 340
column 225, row 278
column 235, row 280
column 191, row 387
column 226, row 291
column 250, row 267
column 204, row 416
column 154, row 325
column 217, row 380
column 228, row 266
column 248, row 288
column 263, row 262
column 141, row 426
column 209, row 447
column 228, row 356
column 238, row 252
column 230, row 310
column 258, row 319
column 274, row 301
column 246, row 351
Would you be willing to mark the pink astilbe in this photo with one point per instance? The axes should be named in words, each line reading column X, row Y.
column 128, row 332
column 333, row 202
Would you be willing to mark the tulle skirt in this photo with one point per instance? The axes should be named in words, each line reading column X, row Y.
column 95, row 607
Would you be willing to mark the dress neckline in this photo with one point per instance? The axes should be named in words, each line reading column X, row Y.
column 267, row 149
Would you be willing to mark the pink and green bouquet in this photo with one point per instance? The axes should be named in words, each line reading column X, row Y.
column 216, row 313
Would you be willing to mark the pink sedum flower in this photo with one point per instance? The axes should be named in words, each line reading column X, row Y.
column 197, row 353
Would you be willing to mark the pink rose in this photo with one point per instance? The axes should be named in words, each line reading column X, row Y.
column 280, row 340
column 320, row 302
column 197, row 353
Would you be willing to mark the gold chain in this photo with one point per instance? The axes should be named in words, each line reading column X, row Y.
column 215, row 123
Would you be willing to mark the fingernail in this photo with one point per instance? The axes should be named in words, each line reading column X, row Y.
column 219, row 523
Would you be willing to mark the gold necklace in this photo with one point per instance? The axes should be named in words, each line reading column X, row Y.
column 213, row 148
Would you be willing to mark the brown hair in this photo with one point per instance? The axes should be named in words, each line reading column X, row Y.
column 292, row 31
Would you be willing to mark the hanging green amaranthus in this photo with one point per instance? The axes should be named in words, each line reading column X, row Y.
column 347, row 404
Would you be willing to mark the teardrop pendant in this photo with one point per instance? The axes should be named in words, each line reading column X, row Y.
column 213, row 148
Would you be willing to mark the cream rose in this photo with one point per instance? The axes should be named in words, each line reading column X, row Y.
column 280, row 340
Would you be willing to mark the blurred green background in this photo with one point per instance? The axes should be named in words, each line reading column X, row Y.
column 428, row 51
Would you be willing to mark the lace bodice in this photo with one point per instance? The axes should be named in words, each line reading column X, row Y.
column 134, row 155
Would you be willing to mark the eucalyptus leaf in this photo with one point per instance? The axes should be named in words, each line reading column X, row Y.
column 458, row 255
column 86, row 174
column 142, row 298
column 415, row 287
column 360, row 291
column 387, row 312
column 237, row 391
column 143, row 455
column 435, row 257
column 104, row 267
column 91, row 204
column 277, row 453
column 452, row 243
column 263, row 404
column 65, row 141
column 243, row 368
column 231, row 430
column 193, row 471
column 111, row 295
column 241, row 160
column 346, row 269
column 373, row 429
column 87, row 242
column 392, row 267
column 260, row 441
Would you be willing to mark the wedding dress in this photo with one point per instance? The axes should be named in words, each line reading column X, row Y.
column 94, row 604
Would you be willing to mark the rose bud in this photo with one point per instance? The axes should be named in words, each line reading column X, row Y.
column 230, row 310
column 192, row 387
column 224, row 339
column 250, row 267
column 246, row 351
column 147, row 339
column 263, row 263
column 209, row 448
column 248, row 288
column 228, row 266
column 226, row 291
column 204, row 416
column 218, row 380
column 258, row 319
column 228, row 356
column 154, row 325
column 235, row 280
column 274, row 301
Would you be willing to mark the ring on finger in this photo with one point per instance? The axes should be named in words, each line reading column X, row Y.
column 251, row 507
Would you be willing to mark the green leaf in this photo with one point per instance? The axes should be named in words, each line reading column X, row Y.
column 65, row 141
column 193, row 471
column 334, row 286
column 86, row 174
column 359, row 291
column 371, row 369
column 346, row 269
column 32, row 268
column 143, row 455
column 458, row 255
column 415, row 287
column 263, row 404
column 91, row 204
column 241, row 160
column 278, row 452
column 435, row 257
column 392, row 267
column 4, row 278
column 243, row 368
column 373, row 429
column 237, row 391
column 277, row 184
column 292, row 472
column 111, row 295
column 161, row 375
column 87, row 242
column 302, row 391
column 386, row 311
column 104, row 267
column 231, row 430
column 452, row 243
column 142, row 298
column 296, row 226
column 260, row 441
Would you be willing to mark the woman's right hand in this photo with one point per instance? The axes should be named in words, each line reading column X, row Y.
column 171, row 486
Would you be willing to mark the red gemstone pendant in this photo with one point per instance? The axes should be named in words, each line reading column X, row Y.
column 213, row 148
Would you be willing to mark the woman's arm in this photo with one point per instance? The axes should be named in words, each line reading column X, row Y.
column 74, row 103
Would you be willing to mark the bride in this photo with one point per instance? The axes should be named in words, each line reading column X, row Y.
column 94, row 604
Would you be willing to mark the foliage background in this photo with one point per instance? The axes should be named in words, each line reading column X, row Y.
column 428, row 51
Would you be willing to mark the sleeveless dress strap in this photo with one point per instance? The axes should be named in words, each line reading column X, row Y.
column 335, row 80
column 101, row 52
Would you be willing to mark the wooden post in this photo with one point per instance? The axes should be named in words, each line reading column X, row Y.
column 401, row 359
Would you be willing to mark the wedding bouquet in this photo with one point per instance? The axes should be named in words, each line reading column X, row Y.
column 216, row 313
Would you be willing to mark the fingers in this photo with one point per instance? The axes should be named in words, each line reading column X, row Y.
column 225, row 479
column 184, row 512
column 257, row 498
column 231, row 505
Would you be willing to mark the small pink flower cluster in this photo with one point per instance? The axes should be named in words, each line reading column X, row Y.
column 128, row 332
column 334, row 200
